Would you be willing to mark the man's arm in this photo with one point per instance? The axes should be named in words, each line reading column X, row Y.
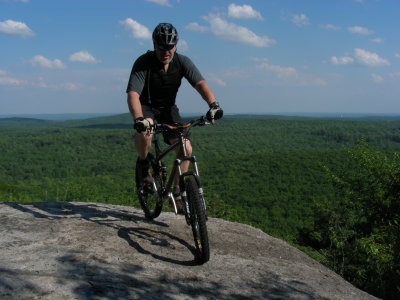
column 215, row 112
column 134, row 104
column 205, row 91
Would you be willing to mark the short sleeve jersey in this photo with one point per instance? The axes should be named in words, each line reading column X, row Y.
column 156, row 87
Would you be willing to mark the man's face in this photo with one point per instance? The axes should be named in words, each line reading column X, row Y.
column 165, row 56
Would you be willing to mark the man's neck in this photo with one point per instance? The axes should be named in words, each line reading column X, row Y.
column 166, row 68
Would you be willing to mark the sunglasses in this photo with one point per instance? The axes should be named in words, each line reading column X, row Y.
column 165, row 47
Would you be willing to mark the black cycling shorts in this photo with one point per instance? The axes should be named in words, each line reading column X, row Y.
column 165, row 115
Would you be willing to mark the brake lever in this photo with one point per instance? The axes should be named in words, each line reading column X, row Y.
column 148, row 131
column 203, row 121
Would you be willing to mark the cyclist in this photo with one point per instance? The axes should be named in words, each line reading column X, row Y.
column 153, row 85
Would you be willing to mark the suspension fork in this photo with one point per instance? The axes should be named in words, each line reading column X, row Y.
column 196, row 176
column 183, row 156
column 182, row 142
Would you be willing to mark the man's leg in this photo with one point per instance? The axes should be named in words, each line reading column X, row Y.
column 184, row 168
column 185, row 164
column 142, row 145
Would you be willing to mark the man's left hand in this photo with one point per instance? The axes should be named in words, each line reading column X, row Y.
column 215, row 112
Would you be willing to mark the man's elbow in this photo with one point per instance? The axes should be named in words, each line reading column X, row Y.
column 133, row 95
column 200, row 85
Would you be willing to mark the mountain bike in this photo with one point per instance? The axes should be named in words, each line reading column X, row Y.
column 152, row 194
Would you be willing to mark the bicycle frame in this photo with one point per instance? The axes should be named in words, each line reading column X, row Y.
column 181, row 157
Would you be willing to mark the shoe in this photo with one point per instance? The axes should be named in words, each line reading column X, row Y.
column 178, row 199
column 143, row 172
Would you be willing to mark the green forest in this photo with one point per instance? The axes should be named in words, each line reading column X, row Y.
column 330, row 187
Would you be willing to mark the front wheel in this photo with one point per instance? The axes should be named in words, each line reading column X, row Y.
column 149, row 192
column 198, row 220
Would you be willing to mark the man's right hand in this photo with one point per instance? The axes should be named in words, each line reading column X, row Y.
column 141, row 124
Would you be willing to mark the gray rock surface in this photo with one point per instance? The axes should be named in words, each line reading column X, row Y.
column 62, row 250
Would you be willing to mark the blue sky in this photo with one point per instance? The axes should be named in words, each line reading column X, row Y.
column 271, row 56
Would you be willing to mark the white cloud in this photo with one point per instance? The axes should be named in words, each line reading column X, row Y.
column 47, row 63
column 231, row 32
column 9, row 81
column 183, row 45
column 138, row 30
column 369, row 59
column 318, row 82
column 258, row 59
column 377, row 78
column 300, row 20
column 68, row 86
column 397, row 55
column 196, row 27
column 236, row 73
column 329, row 27
column 281, row 72
column 359, row 30
column 160, row 2
column 20, row 29
column 83, row 57
column 216, row 79
column 290, row 76
column 377, row 40
column 243, row 12
column 361, row 56
column 344, row 60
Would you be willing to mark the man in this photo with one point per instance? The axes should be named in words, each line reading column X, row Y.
column 153, row 85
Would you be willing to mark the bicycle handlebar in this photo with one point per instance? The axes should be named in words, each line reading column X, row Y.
column 157, row 128
column 201, row 121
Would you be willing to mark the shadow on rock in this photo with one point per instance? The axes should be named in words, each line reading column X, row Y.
column 90, row 212
column 12, row 282
column 156, row 238
column 98, row 279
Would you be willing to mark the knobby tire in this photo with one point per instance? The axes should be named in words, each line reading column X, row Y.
column 150, row 201
column 198, row 220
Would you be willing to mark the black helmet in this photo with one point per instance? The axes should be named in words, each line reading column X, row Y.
column 165, row 36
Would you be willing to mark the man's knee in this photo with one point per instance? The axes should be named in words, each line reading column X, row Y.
column 189, row 147
column 142, row 143
column 187, row 144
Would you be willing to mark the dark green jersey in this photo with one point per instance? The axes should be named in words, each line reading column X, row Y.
column 157, row 87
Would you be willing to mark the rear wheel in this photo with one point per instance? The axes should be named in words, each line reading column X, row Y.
column 198, row 220
column 149, row 192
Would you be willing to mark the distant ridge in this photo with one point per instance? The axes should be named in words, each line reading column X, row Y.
column 21, row 119
column 83, row 116
column 57, row 117
column 111, row 121
column 125, row 121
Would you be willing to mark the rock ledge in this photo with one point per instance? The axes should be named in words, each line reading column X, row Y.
column 63, row 250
